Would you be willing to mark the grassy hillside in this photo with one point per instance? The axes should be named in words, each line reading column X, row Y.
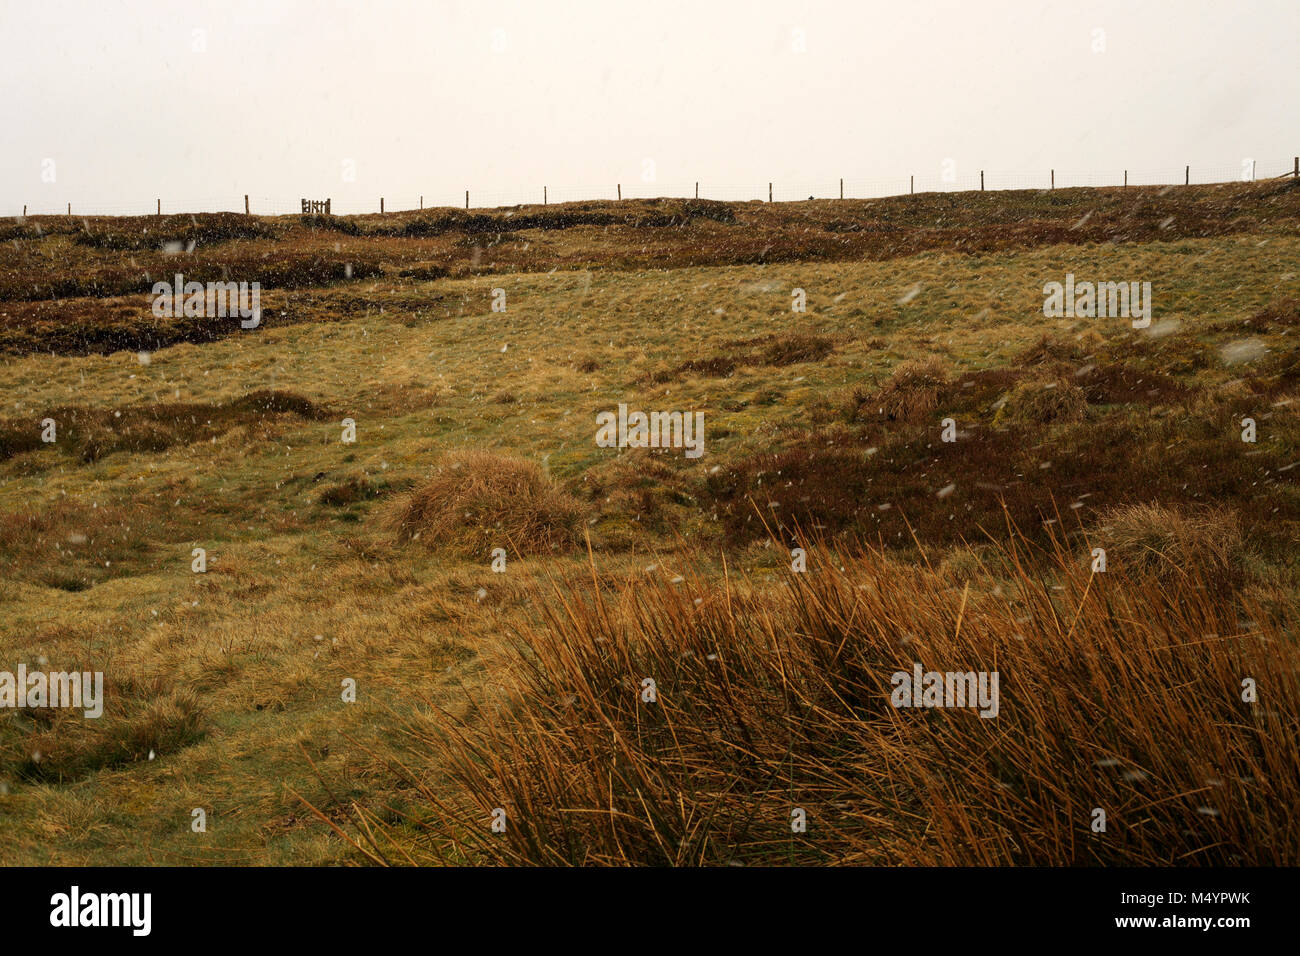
column 476, row 689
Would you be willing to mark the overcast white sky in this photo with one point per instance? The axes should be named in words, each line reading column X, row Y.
column 504, row 96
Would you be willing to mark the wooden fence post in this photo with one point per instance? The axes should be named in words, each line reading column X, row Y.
column 697, row 185
column 69, row 209
column 841, row 187
column 545, row 199
column 24, row 210
column 467, row 199
column 769, row 192
column 246, row 204
column 620, row 190
column 421, row 204
column 981, row 180
column 160, row 207
column 912, row 187
column 1187, row 176
column 381, row 204
column 1126, row 179
column 1297, row 168
column 1053, row 179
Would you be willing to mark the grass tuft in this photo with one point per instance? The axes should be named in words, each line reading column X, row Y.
column 479, row 500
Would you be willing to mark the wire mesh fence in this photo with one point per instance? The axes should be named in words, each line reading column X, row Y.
column 949, row 180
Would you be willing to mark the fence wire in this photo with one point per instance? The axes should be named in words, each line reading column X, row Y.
column 848, row 188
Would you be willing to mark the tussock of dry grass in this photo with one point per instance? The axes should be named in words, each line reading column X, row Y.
column 912, row 393
column 1043, row 403
column 1152, row 540
column 480, row 500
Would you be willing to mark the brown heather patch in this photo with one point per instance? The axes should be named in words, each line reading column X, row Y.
column 1280, row 315
column 243, row 262
column 498, row 224
column 793, row 349
column 1178, row 354
column 977, row 393
column 93, row 433
column 778, row 349
column 767, row 350
column 152, row 233
column 887, row 494
column 637, row 492
column 1279, row 372
column 1121, row 372
column 718, row 367
column 88, row 326
column 1119, row 383
column 974, row 394
column 855, row 403
column 425, row 272
column 1053, row 349
column 821, row 485
column 349, row 492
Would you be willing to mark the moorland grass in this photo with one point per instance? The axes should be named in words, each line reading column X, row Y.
column 232, row 677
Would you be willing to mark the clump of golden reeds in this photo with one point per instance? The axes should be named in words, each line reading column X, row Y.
column 1124, row 694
